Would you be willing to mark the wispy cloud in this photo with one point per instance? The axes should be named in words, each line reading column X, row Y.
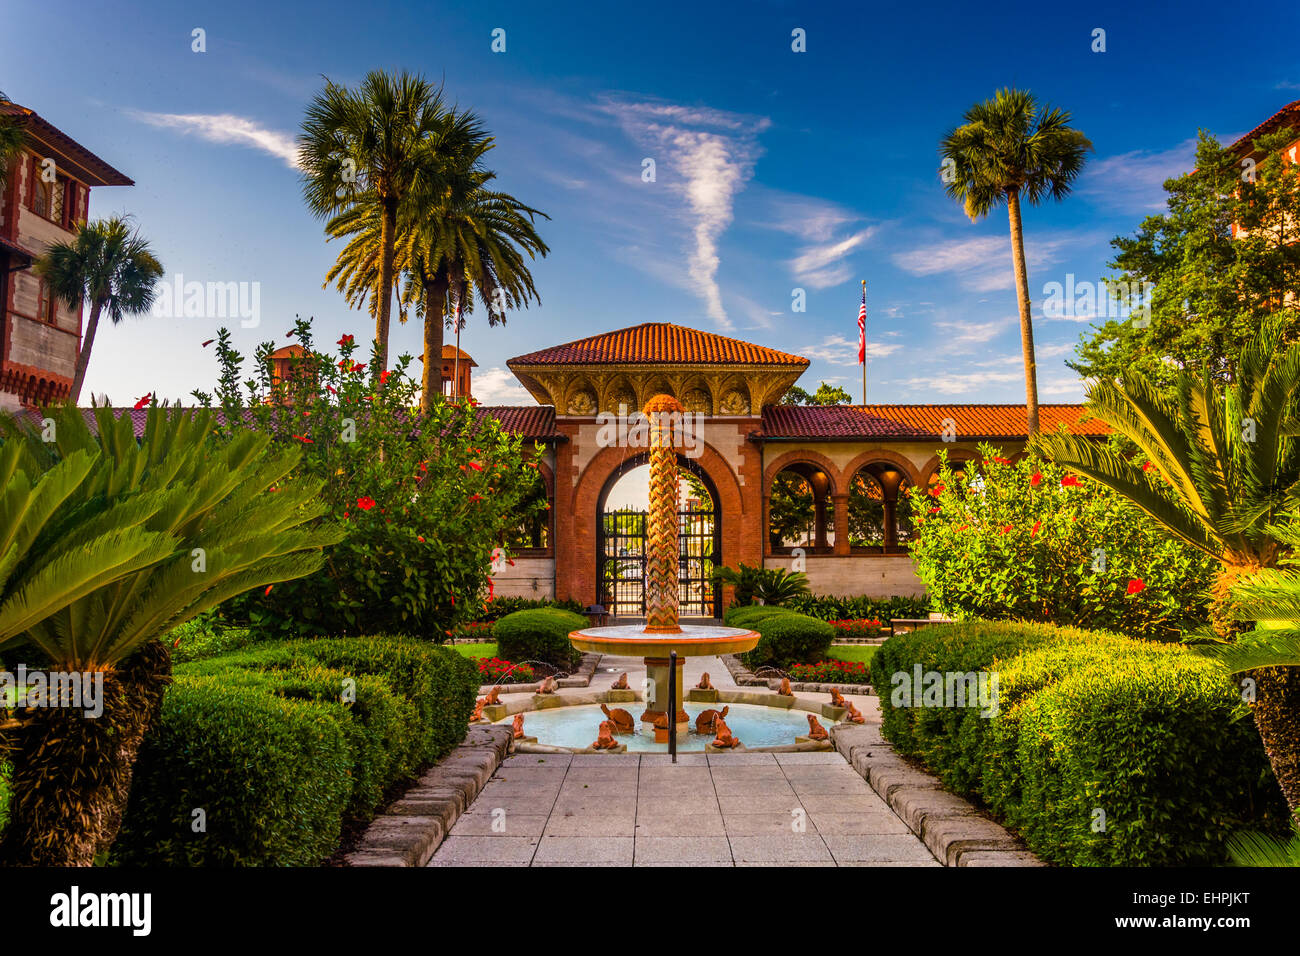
column 820, row 223
column 982, row 264
column 823, row 265
column 1134, row 181
column 959, row 334
column 840, row 350
column 227, row 129
column 498, row 386
column 705, row 157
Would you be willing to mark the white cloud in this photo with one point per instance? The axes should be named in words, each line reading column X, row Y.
column 498, row 386
column 840, row 350
column 1134, row 181
column 982, row 264
column 704, row 156
column 962, row 383
column 227, row 129
column 821, row 266
column 959, row 333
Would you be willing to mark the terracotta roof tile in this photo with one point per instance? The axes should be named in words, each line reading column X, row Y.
column 658, row 343
column 93, row 170
column 1288, row 115
column 895, row 422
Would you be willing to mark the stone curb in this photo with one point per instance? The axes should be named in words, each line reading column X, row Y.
column 410, row 829
column 950, row 827
column 579, row 678
column 806, row 687
column 741, row 674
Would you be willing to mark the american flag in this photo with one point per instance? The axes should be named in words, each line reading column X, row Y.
column 862, row 328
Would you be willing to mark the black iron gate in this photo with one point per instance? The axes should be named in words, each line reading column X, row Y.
column 621, row 562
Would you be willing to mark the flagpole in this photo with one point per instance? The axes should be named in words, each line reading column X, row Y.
column 864, row 346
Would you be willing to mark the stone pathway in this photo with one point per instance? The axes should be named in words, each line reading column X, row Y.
column 760, row 809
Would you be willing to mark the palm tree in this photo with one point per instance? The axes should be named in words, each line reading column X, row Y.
column 1232, row 461
column 107, row 544
column 1007, row 149
column 107, row 264
column 12, row 139
column 456, row 237
column 366, row 149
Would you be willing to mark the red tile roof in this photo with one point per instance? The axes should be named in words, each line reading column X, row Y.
column 901, row 422
column 86, row 165
column 658, row 343
column 1288, row 115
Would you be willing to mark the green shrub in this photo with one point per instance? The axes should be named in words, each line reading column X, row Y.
column 4, row 795
column 1084, row 721
column 744, row 615
column 830, row 608
column 498, row 608
column 394, row 705
column 272, row 777
column 787, row 638
column 541, row 634
column 1020, row 545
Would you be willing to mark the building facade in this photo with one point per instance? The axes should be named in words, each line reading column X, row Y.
column 46, row 193
column 850, row 466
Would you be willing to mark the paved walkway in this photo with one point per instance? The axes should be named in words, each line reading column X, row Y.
column 761, row 809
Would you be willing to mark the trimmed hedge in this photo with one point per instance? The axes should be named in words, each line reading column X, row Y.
column 1088, row 723
column 831, row 608
column 498, row 608
column 283, row 745
column 539, row 634
column 786, row 637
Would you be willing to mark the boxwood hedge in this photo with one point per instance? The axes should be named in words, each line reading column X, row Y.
column 539, row 634
column 281, row 746
column 786, row 637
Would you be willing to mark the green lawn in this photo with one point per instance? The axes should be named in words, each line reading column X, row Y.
column 475, row 650
column 855, row 653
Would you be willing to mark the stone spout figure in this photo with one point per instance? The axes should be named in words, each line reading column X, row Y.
column 724, row 738
column 837, row 699
column 478, row 710
column 620, row 718
column 621, row 683
column 705, row 683
column 815, row 729
column 704, row 722
column 785, row 690
column 517, row 730
column 605, row 741
column 547, row 686
column 855, row 715
column 493, row 697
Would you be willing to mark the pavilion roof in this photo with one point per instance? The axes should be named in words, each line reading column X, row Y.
column 658, row 343
column 1288, row 115
column 924, row 422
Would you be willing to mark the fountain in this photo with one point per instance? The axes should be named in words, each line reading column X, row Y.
column 661, row 635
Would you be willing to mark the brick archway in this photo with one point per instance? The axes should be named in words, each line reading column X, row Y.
column 575, row 546
column 809, row 457
column 932, row 466
column 892, row 457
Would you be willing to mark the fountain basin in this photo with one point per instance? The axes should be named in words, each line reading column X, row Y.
column 694, row 640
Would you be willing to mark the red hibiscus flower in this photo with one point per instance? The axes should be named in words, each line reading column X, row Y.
column 937, row 490
column 383, row 377
column 476, row 466
column 475, row 498
column 346, row 340
column 1036, row 478
column 1006, row 528
column 365, row 503
column 304, row 439
column 208, row 342
column 1136, row 585
column 268, row 590
column 332, row 389
column 1069, row 481
column 420, row 538
column 142, row 401
column 934, row 510
column 1147, row 466
column 1001, row 461
column 1034, row 530
column 358, row 367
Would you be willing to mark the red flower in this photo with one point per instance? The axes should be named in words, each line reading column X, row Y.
column 476, row 466
column 208, row 342
column 1136, row 585
column 1069, row 481
column 304, row 439
column 475, row 498
column 1036, row 478
column 937, row 490
column 1001, row 461
column 934, row 510
column 420, row 538
column 492, row 589
column 358, row 366
column 1147, row 466
column 142, row 401
column 346, row 340
column 268, row 590
column 365, row 503
column 1006, row 528
column 383, row 377
column 1033, row 531
column 332, row 388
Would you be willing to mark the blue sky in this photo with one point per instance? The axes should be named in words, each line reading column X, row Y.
column 776, row 170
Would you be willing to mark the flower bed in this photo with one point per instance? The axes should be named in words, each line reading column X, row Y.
column 832, row 672
column 493, row 670
column 857, row 627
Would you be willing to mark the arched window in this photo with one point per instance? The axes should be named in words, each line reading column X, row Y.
column 800, row 511
column 880, row 512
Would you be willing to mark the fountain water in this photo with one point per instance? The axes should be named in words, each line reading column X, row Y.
column 662, row 633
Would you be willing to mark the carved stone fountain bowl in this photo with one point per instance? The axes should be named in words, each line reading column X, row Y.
column 694, row 640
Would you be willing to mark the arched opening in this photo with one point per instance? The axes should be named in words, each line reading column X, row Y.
column 800, row 511
column 880, row 509
column 621, row 532
column 531, row 536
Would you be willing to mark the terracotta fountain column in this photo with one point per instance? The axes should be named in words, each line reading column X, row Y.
column 663, row 556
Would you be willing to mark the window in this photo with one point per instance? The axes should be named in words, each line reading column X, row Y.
column 46, row 306
column 49, row 199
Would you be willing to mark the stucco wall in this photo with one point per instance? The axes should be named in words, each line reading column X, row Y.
column 529, row 578
column 878, row 576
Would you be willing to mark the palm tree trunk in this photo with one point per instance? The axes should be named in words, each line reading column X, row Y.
column 1026, row 318
column 1277, row 718
column 72, row 773
column 387, row 241
column 435, row 303
column 83, row 354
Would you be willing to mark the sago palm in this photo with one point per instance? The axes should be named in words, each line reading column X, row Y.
column 106, row 544
column 107, row 264
column 1223, row 466
column 367, row 148
column 1008, row 149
